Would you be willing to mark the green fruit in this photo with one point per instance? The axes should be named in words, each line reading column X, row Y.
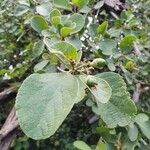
column 130, row 65
column 91, row 81
column 98, row 63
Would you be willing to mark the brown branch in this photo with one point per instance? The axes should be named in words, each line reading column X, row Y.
column 7, row 93
column 139, row 89
column 7, row 132
column 116, row 5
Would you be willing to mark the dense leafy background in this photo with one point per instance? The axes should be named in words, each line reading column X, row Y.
column 21, row 50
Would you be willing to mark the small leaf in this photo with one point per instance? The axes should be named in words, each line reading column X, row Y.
column 55, row 16
column 145, row 128
column 141, row 117
column 80, row 3
column 107, row 46
column 102, row 28
column 40, row 65
column 44, row 9
column 44, row 101
column 127, row 41
column 38, row 48
column 38, row 23
column 79, row 21
column 81, row 145
column 56, row 20
column 64, row 4
column 99, row 88
column 65, row 31
column 99, row 5
column 69, row 51
column 133, row 132
column 101, row 146
column 101, row 91
column 20, row 10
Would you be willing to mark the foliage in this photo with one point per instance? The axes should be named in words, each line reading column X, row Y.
column 73, row 51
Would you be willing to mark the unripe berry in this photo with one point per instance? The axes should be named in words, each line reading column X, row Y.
column 91, row 81
column 130, row 65
column 98, row 63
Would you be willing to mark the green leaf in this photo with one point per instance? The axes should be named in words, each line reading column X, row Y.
column 120, row 109
column 40, row 65
column 56, row 20
column 65, row 31
column 20, row 10
column 102, row 28
column 44, row 8
column 55, row 17
column 133, row 132
column 38, row 48
column 44, row 101
column 69, row 51
column 64, row 4
column 145, row 128
column 38, row 23
column 144, row 123
column 141, row 117
column 79, row 20
column 99, row 5
column 81, row 145
column 80, row 3
column 101, row 91
column 127, row 41
column 99, row 88
column 101, row 146
column 107, row 46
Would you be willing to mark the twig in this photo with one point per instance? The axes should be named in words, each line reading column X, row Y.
column 5, row 94
column 139, row 89
column 7, row 131
column 136, row 49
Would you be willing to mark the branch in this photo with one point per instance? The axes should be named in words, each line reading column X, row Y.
column 139, row 89
column 136, row 49
column 7, row 132
column 7, row 93
column 116, row 5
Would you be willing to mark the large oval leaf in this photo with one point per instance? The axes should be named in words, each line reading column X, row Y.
column 120, row 109
column 44, row 100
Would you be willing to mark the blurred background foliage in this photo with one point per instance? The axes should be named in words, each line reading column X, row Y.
column 19, row 56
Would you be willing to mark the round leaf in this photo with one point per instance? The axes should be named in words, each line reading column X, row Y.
column 38, row 23
column 44, row 101
column 79, row 20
